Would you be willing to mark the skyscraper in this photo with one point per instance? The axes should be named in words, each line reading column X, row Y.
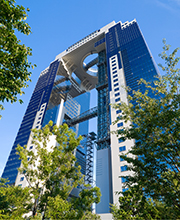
column 120, row 58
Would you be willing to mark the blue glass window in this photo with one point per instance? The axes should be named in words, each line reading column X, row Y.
column 123, row 168
column 114, row 71
column 120, row 124
column 122, row 139
column 116, row 89
column 117, row 100
column 99, row 42
column 116, row 84
column 117, row 94
column 118, row 111
column 124, row 189
column 121, row 159
column 115, row 76
column 31, row 147
column 123, row 148
column 115, row 80
column 123, row 179
column 22, row 178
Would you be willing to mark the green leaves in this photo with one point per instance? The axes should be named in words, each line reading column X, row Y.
column 14, row 65
column 77, row 208
column 155, row 157
column 14, row 201
column 134, row 205
column 52, row 174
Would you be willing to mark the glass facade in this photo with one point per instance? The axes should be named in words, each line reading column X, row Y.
column 103, row 103
column 63, row 89
column 40, row 95
column 83, row 129
column 129, row 45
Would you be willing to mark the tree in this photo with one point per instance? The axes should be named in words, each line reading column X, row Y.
column 14, row 65
column 52, row 174
column 133, row 204
column 155, row 157
column 14, row 201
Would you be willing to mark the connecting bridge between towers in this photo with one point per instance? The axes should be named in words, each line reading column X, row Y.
column 91, row 113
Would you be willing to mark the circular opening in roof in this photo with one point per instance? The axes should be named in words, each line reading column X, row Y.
column 90, row 64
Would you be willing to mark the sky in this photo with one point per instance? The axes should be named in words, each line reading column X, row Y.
column 57, row 24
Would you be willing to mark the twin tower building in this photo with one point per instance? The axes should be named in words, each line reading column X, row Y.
column 107, row 60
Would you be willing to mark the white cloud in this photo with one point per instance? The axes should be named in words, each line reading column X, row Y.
column 176, row 1
column 172, row 6
column 165, row 5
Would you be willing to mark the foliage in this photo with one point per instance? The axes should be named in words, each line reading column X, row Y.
column 134, row 205
column 14, row 65
column 82, row 205
column 154, row 159
column 14, row 201
column 52, row 174
column 61, row 209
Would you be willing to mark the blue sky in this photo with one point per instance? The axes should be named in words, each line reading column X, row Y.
column 57, row 24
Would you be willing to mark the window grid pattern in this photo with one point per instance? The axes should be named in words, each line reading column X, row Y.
column 45, row 83
column 103, row 104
